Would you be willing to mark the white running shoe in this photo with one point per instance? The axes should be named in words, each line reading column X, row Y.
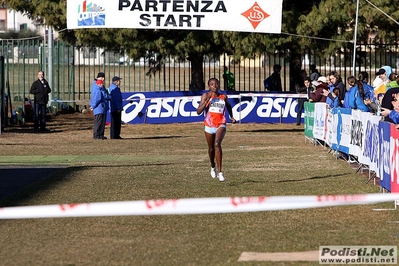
column 221, row 177
column 213, row 172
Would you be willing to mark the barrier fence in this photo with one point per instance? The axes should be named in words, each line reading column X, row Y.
column 372, row 142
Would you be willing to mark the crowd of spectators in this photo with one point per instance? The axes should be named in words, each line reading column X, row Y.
column 381, row 98
column 356, row 94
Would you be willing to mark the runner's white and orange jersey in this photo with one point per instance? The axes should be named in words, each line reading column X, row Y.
column 214, row 116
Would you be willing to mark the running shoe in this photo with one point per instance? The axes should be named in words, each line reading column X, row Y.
column 213, row 172
column 221, row 177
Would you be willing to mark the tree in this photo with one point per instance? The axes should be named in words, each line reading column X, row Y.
column 336, row 20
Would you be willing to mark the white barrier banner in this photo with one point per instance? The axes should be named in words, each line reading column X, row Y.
column 329, row 127
column 262, row 16
column 319, row 127
column 191, row 206
column 356, row 132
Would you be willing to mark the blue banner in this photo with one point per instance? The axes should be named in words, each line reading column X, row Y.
column 342, row 134
column 181, row 107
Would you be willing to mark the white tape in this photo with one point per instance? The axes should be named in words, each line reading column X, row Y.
column 191, row 206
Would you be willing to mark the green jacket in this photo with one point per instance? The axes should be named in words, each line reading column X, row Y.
column 392, row 84
column 229, row 77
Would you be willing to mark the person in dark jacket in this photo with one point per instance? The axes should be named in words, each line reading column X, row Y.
column 40, row 89
column 115, row 108
column 306, row 89
column 336, row 81
column 389, row 97
column 273, row 82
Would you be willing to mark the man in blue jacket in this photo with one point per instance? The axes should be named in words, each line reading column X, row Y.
column 115, row 108
column 99, row 105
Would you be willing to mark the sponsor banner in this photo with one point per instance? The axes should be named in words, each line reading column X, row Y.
column 341, row 136
column 319, row 126
column 309, row 119
column 358, row 255
column 262, row 16
column 329, row 127
column 383, row 165
column 394, row 152
column 181, row 107
column 357, row 129
column 370, row 154
column 191, row 206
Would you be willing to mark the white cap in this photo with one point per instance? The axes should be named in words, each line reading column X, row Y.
column 322, row 79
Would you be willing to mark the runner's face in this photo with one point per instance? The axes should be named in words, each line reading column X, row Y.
column 213, row 85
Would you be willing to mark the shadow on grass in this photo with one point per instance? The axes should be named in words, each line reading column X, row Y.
column 313, row 177
column 275, row 130
column 248, row 181
column 20, row 184
column 15, row 181
column 159, row 137
column 251, row 181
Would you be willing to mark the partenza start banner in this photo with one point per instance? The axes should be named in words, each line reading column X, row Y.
column 262, row 16
column 181, row 107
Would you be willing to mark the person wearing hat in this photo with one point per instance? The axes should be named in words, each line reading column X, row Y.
column 382, row 79
column 318, row 95
column 99, row 106
column 115, row 108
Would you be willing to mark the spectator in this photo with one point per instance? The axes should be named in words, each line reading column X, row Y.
column 356, row 98
column 115, row 108
column 300, row 79
column 273, row 82
column 318, row 95
column 393, row 83
column 333, row 97
column 336, row 81
column 99, row 106
column 392, row 114
column 40, row 89
column 336, row 102
column 389, row 97
column 330, row 95
column 382, row 80
column 369, row 97
column 314, row 73
column 229, row 80
column 307, row 89
column 351, row 80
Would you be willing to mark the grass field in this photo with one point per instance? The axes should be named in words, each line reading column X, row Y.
column 170, row 161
